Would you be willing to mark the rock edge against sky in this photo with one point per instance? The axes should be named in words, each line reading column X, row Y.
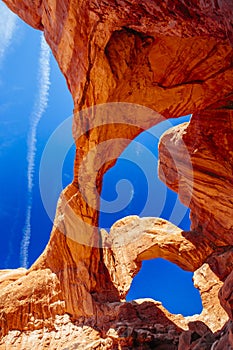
column 175, row 59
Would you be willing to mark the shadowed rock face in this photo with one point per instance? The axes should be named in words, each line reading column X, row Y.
column 209, row 140
column 174, row 58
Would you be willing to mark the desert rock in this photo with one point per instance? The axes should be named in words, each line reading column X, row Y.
column 146, row 61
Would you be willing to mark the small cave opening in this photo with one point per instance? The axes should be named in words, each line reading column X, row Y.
column 133, row 187
column 164, row 281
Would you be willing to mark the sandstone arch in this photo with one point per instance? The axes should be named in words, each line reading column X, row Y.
column 175, row 59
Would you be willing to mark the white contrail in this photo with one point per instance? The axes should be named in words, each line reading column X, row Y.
column 8, row 21
column 7, row 27
column 38, row 110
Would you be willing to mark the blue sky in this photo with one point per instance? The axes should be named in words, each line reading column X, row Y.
column 34, row 101
column 20, row 81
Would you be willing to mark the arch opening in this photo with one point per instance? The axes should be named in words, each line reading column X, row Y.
column 134, row 181
column 141, row 148
column 163, row 281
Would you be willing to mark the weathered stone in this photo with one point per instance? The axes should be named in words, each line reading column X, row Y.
column 133, row 240
column 203, row 181
column 226, row 295
column 209, row 285
column 175, row 58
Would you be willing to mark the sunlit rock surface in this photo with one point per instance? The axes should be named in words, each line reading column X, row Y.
column 175, row 58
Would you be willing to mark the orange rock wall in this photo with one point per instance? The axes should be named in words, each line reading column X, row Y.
column 174, row 58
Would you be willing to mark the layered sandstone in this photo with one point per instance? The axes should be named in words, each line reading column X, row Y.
column 174, row 58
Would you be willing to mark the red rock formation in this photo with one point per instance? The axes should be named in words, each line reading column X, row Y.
column 175, row 58
column 133, row 240
column 208, row 138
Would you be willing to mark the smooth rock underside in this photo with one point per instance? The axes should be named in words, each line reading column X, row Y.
column 139, row 62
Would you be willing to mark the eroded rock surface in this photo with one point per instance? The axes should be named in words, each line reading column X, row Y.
column 132, row 240
column 208, row 170
column 175, row 58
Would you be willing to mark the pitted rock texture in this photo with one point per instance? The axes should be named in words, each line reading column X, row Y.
column 208, row 170
column 132, row 240
column 174, row 57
